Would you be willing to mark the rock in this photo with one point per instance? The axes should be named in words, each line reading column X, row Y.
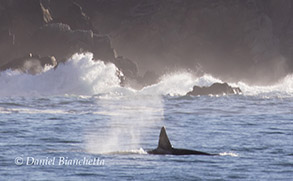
column 131, row 75
column 53, row 39
column 127, row 66
column 31, row 64
column 149, row 78
column 20, row 19
column 48, row 28
column 6, row 45
column 48, row 60
column 129, row 70
column 102, row 48
column 61, row 41
column 71, row 13
column 215, row 89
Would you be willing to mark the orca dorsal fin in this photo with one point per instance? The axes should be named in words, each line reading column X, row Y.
column 164, row 141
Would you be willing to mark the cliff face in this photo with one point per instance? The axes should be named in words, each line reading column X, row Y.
column 232, row 39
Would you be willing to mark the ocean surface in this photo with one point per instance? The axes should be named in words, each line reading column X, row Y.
column 77, row 123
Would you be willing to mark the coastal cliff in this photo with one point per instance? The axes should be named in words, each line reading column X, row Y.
column 236, row 40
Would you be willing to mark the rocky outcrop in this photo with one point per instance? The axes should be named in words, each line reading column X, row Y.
column 69, row 12
column 30, row 64
column 33, row 31
column 127, row 66
column 215, row 89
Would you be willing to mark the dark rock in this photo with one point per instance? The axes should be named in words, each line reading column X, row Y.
column 149, row 78
column 131, row 74
column 102, row 48
column 20, row 19
column 215, row 89
column 128, row 67
column 28, row 27
column 6, row 45
column 48, row 37
column 71, row 13
column 48, row 61
column 30, row 64
column 61, row 41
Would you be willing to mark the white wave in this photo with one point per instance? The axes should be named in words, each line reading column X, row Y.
column 283, row 88
column 178, row 84
column 206, row 80
column 82, row 76
column 181, row 83
column 171, row 84
column 79, row 75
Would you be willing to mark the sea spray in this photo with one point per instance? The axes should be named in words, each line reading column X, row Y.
column 124, row 123
column 178, row 84
column 283, row 88
column 79, row 75
column 174, row 84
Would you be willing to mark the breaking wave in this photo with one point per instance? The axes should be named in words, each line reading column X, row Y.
column 82, row 76
column 79, row 75
column 283, row 88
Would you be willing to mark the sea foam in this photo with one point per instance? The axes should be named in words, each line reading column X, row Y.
column 80, row 75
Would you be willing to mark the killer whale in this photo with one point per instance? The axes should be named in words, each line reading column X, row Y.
column 165, row 147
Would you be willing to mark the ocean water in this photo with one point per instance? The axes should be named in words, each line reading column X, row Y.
column 77, row 123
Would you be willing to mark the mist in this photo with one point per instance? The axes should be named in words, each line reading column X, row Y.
column 233, row 40
column 122, row 132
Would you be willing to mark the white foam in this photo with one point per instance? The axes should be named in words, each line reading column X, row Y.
column 172, row 84
column 283, row 88
column 82, row 76
column 79, row 75
column 206, row 80
column 181, row 83
column 229, row 154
